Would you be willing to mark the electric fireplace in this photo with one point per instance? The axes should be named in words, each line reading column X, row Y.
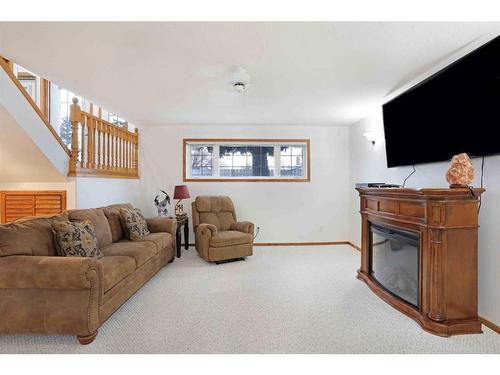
column 419, row 254
column 395, row 256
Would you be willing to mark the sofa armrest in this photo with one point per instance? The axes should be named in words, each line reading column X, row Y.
column 52, row 295
column 243, row 226
column 162, row 224
column 45, row 272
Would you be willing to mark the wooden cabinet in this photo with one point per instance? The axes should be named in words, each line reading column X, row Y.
column 18, row 204
column 446, row 221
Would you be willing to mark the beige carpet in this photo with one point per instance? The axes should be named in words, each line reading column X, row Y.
column 281, row 300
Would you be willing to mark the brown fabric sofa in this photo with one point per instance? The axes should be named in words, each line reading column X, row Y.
column 42, row 293
column 218, row 235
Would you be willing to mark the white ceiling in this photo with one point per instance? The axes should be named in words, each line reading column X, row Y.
column 180, row 73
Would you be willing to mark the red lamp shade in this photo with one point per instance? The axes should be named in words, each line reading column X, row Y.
column 181, row 192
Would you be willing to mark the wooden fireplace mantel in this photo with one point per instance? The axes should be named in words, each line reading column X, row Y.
column 447, row 221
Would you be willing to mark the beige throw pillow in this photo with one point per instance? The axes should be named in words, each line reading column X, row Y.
column 76, row 239
column 134, row 223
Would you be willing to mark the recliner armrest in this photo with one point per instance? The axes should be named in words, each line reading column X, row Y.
column 203, row 233
column 204, row 227
column 243, row 226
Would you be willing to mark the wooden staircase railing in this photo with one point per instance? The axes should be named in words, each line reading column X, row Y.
column 7, row 65
column 100, row 148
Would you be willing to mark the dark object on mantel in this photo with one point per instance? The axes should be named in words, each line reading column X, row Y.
column 375, row 185
column 437, row 284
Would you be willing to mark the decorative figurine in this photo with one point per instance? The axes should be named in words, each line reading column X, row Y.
column 461, row 171
column 161, row 206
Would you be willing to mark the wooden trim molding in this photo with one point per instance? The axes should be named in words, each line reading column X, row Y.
column 103, row 174
column 6, row 67
column 353, row 245
column 311, row 243
column 490, row 324
column 44, row 97
column 185, row 141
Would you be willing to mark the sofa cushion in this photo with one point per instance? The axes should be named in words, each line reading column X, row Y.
column 115, row 220
column 76, row 239
column 210, row 218
column 225, row 220
column 161, row 240
column 33, row 236
column 141, row 252
column 214, row 204
column 230, row 238
column 134, row 223
column 115, row 269
column 98, row 219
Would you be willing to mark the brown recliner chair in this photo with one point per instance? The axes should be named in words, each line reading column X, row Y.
column 219, row 237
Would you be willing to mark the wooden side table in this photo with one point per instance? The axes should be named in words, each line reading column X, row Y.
column 182, row 222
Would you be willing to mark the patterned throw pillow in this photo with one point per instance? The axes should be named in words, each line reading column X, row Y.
column 76, row 239
column 134, row 223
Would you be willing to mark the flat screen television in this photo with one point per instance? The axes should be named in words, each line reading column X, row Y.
column 455, row 110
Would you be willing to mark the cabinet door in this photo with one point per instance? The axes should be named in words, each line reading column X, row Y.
column 17, row 207
column 49, row 204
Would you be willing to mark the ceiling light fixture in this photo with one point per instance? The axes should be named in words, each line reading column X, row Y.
column 240, row 80
column 240, row 87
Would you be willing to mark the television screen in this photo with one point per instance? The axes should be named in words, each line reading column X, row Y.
column 455, row 110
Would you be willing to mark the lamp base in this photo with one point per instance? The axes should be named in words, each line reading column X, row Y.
column 179, row 209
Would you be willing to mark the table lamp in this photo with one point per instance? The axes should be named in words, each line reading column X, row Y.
column 180, row 192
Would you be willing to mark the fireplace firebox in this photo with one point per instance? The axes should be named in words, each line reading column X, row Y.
column 395, row 261
column 419, row 254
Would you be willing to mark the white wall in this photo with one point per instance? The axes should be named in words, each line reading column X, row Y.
column 368, row 164
column 98, row 192
column 21, row 159
column 28, row 120
column 285, row 212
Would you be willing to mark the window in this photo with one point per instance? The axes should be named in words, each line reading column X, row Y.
column 59, row 113
column 114, row 119
column 29, row 81
column 246, row 160
column 201, row 160
column 60, row 103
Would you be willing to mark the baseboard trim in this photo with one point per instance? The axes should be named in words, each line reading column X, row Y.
column 316, row 243
column 354, row 246
column 311, row 243
column 489, row 324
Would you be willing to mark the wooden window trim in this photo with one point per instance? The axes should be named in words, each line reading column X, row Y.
column 185, row 142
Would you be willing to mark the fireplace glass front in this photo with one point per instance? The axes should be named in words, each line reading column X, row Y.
column 395, row 261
